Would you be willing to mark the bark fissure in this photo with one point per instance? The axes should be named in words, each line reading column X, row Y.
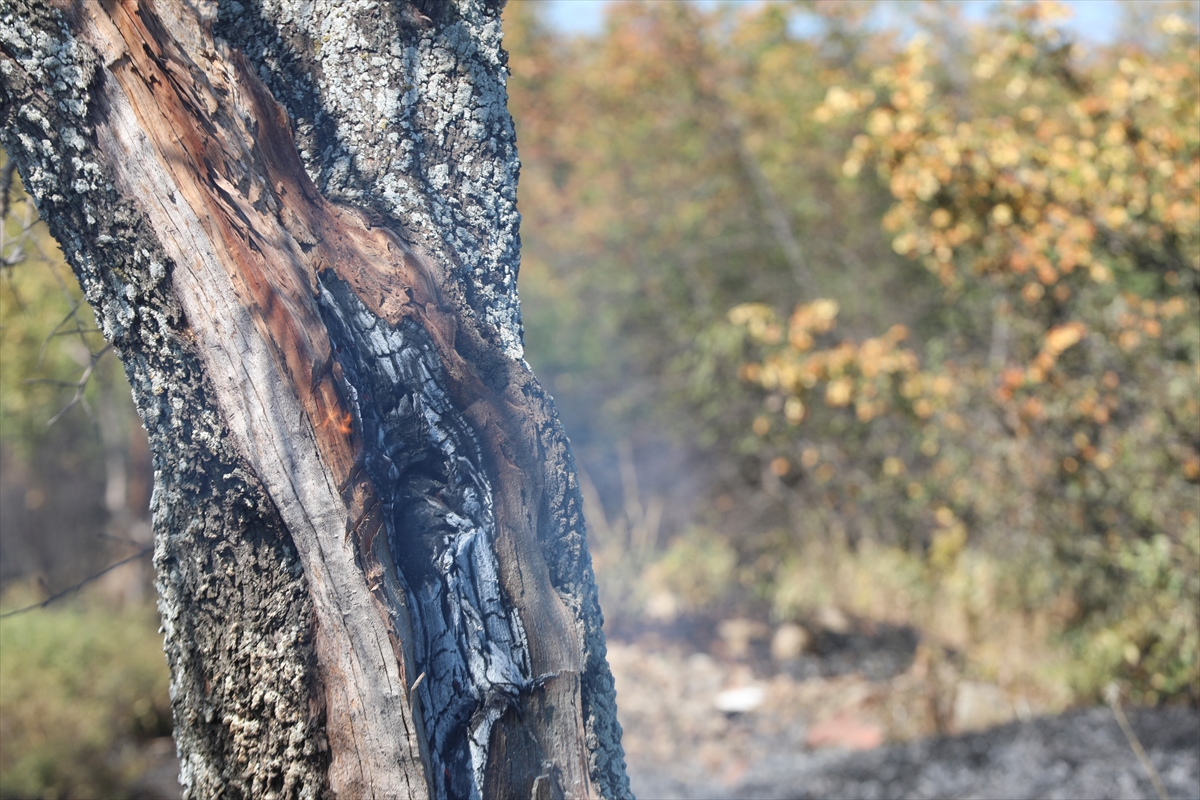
column 437, row 509
column 249, row 311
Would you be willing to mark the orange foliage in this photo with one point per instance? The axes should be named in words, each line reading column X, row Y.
column 1070, row 191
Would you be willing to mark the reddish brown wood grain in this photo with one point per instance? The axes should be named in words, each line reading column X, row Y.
column 227, row 148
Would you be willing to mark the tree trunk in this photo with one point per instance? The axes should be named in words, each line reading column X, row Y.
column 297, row 225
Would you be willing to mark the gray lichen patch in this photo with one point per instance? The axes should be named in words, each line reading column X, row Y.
column 407, row 115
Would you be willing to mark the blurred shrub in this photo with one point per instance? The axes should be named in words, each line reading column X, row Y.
column 962, row 605
column 78, row 687
column 1058, row 199
column 692, row 574
column 54, row 368
column 50, row 345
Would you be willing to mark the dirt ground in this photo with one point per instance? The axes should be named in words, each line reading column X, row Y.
column 737, row 710
column 854, row 711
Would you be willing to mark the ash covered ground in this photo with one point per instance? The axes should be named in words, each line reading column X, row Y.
column 738, row 710
column 862, row 711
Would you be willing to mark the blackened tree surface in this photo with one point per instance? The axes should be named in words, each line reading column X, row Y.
column 297, row 224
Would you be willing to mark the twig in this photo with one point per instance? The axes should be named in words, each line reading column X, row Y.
column 121, row 539
column 413, row 689
column 1114, row 702
column 6, row 180
column 785, row 237
column 49, row 382
column 80, row 385
column 74, row 332
column 57, row 329
column 144, row 551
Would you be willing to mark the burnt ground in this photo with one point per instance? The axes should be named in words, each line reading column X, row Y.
column 867, row 711
column 1080, row 754
column 844, row 708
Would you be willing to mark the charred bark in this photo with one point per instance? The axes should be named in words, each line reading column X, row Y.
column 369, row 546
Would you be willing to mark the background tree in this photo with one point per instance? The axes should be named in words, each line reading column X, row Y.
column 370, row 555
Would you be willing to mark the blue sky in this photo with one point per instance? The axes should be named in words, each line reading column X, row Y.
column 1094, row 20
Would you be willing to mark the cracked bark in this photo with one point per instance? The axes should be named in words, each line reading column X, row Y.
column 370, row 554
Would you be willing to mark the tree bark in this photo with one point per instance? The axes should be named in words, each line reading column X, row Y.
column 297, row 224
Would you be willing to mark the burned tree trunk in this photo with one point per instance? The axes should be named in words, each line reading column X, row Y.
column 297, row 224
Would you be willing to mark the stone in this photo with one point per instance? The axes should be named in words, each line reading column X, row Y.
column 832, row 619
column 739, row 700
column 978, row 706
column 738, row 633
column 847, row 730
column 789, row 642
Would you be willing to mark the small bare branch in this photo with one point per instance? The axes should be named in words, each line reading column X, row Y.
column 6, row 176
column 80, row 385
column 69, row 590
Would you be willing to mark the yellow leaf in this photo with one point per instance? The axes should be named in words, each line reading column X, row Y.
column 838, row 392
column 1060, row 337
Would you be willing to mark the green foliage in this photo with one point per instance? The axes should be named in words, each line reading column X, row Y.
column 77, row 686
column 695, row 568
column 48, row 340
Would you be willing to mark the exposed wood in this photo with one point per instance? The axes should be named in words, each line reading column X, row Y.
column 193, row 135
column 190, row 156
